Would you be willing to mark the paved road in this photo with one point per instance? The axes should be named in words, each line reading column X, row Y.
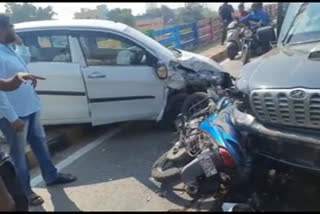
column 114, row 173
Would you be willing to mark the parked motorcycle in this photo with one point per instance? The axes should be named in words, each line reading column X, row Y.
column 234, row 43
column 254, row 44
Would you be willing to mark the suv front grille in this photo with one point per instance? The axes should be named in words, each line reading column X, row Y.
column 284, row 106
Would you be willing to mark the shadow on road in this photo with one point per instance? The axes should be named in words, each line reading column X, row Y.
column 128, row 154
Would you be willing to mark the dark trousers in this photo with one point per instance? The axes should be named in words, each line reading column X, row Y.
column 224, row 30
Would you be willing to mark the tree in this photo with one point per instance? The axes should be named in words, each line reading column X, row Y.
column 167, row 14
column 28, row 12
column 192, row 12
column 121, row 15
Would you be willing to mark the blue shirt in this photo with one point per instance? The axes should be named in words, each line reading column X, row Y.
column 23, row 101
column 259, row 16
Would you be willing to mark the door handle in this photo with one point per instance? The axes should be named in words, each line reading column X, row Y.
column 96, row 75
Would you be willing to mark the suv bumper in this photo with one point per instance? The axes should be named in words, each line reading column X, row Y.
column 292, row 148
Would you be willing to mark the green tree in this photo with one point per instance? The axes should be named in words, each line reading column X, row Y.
column 190, row 13
column 121, row 15
column 28, row 12
column 167, row 14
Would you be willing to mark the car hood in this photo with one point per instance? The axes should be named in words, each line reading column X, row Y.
column 198, row 62
column 200, row 65
column 282, row 67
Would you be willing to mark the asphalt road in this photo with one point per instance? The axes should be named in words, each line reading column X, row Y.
column 113, row 172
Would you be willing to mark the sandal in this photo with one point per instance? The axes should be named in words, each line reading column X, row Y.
column 63, row 179
column 35, row 200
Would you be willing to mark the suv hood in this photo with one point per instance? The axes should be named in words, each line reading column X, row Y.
column 282, row 67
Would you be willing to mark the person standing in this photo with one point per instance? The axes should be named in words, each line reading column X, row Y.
column 20, row 116
column 226, row 13
column 12, row 195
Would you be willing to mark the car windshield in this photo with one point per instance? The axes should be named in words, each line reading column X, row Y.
column 147, row 40
column 305, row 26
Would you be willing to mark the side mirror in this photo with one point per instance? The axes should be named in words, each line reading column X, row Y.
column 162, row 70
column 266, row 34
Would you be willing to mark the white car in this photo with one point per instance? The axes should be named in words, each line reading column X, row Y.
column 102, row 72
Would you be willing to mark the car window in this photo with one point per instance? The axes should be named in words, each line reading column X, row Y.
column 47, row 46
column 108, row 49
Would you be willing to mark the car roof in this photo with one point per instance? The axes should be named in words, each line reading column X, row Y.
column 82, row 23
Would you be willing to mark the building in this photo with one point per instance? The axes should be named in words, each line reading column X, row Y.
column 99, row 13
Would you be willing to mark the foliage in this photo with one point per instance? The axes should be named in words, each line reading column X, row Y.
column 121, row 15
column 28, row 12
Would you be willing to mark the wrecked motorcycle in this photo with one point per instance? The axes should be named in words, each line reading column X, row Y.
column 217, row 87
column 208, row 150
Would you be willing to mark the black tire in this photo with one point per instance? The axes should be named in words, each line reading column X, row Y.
column 232, row 51
column 174, row 107
column 166, row 175
column 245, row 56
column 192, row 100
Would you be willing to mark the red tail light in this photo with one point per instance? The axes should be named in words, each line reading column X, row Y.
column 227, row 158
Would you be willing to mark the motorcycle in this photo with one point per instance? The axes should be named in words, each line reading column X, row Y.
column 254, row 44
column 209, row 150
column 216, row 89
column 234, row 43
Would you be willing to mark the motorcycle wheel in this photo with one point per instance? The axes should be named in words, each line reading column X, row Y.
column 175, row 166
column 191, row 101
column 232, row 51
column 245, row 56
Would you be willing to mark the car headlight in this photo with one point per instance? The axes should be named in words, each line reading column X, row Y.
column 248, row 33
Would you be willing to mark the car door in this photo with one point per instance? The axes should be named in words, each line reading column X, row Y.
column 62, row 94
column 120, row 78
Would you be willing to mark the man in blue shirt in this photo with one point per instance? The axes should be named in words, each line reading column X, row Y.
column 258, row 16
column 20, row 116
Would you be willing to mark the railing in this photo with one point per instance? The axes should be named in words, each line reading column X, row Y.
column 188, row 35
column 193, row 34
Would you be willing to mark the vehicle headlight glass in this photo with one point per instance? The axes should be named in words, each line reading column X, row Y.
column 248, row 33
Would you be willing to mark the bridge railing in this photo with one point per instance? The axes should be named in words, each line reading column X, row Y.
column 188, row 35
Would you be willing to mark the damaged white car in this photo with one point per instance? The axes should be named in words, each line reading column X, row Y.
column 102, row 72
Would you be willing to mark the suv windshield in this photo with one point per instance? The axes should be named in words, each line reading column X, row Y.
column 305, row 26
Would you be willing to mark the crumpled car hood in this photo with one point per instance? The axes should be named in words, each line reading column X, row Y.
column 194, row 62
column 281, row 68
column 198, row 62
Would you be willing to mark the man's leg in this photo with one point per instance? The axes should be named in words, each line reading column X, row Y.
column 224, row 33
column 37, row 140
column 17, row 144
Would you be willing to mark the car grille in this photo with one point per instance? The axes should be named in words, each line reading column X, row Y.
column 286, row 107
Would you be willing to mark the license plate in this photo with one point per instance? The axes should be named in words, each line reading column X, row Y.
column 207, row 164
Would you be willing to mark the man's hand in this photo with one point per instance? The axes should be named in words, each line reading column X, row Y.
column 15, row 82
column 18, row 125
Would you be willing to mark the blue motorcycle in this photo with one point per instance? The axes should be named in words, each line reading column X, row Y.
column 209, row 151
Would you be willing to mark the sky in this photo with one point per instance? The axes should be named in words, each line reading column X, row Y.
column 66, row 10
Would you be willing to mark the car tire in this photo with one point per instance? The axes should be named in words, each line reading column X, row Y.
column 173, row 109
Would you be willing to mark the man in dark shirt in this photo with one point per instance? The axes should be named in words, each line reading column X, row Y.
column 226, row 13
